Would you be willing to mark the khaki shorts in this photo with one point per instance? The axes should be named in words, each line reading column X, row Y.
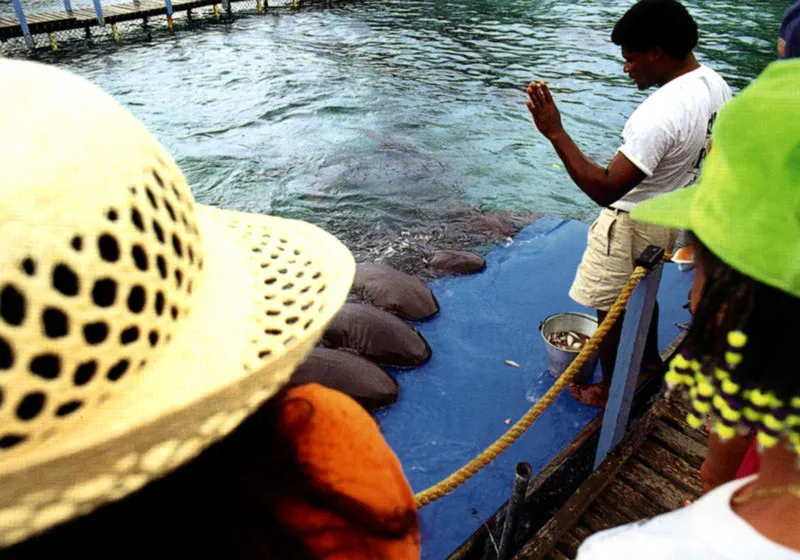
column 614, row 243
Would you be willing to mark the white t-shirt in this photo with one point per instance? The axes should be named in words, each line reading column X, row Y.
column 706, row 530
column 668, row 135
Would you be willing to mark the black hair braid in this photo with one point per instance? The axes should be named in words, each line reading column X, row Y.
column 768, row 316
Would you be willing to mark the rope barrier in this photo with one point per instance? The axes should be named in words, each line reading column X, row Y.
column 463, row 474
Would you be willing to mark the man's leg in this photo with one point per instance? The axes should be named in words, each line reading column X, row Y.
column 644, row 235
column 651, row 361
column 597, row 394
column 608, row 348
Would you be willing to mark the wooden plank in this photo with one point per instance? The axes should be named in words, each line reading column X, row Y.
column 81, row 14
column 139, row 14
column 607, row 504
column 569, row 544
column 672, row 466
column 568, row 515
column 556, row 554
column 675, row 416
column 654, row 486
column 563, row 549
column 607, row 513
column 109, row 11
column 680, row 402
column 152, row 4
column 676, row 441
column 581, row 531
column 595, row 522
column 631, row 503
column 47, row 17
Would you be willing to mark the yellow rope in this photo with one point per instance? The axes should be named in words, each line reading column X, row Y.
column 490, row 453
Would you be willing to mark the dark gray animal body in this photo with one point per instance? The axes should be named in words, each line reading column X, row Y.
column 395, row 291
column 353, row 375
column 457, row 262
column 377, row 335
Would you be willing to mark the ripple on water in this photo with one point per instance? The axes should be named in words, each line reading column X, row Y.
column 396, row 110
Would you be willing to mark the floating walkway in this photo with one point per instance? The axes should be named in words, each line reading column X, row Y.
column 51, row 22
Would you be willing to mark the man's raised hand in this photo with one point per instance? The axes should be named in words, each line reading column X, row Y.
column 543, row 109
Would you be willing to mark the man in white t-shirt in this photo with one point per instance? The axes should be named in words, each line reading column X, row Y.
column 664, row 143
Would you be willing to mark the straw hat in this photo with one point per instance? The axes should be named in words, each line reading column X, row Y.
column 136, row 326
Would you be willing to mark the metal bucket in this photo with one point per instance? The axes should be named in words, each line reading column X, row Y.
column 558, row 358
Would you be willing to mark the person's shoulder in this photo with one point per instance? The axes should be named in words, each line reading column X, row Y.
column 669, row 105
column 697, row 531
column 655, row 538
column 712, row 75
column 656, row 111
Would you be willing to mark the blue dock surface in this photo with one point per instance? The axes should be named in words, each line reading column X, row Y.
column 453, row 407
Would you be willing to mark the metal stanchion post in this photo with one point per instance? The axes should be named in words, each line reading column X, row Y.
column 523, row 474
column 23, row 23
column 629, row 356
column 98, row 10
column 168, row 5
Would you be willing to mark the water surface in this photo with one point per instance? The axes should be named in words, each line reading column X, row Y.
column 389, row 116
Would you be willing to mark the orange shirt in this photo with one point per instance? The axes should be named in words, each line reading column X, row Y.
column 343, row 450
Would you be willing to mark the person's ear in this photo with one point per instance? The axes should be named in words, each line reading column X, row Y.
column 655, row 53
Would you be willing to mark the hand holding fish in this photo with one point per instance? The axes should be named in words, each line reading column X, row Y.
column 545, row 114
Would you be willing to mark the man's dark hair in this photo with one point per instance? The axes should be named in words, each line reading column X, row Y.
column 651, row 23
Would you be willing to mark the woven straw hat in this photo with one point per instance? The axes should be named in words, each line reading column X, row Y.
column 136, row 326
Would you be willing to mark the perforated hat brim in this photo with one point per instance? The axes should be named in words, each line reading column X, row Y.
column 269, row 287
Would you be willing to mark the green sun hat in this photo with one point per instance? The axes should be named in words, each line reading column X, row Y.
column 746, row 205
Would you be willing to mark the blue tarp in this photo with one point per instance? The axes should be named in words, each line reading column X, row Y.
column 466, row 396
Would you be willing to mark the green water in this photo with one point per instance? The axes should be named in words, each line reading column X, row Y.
column 382, row 116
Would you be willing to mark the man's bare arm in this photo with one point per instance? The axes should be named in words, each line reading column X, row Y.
column 603, row 185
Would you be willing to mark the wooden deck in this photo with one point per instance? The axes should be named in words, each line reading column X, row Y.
column 656, row 469
column 83, row 18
